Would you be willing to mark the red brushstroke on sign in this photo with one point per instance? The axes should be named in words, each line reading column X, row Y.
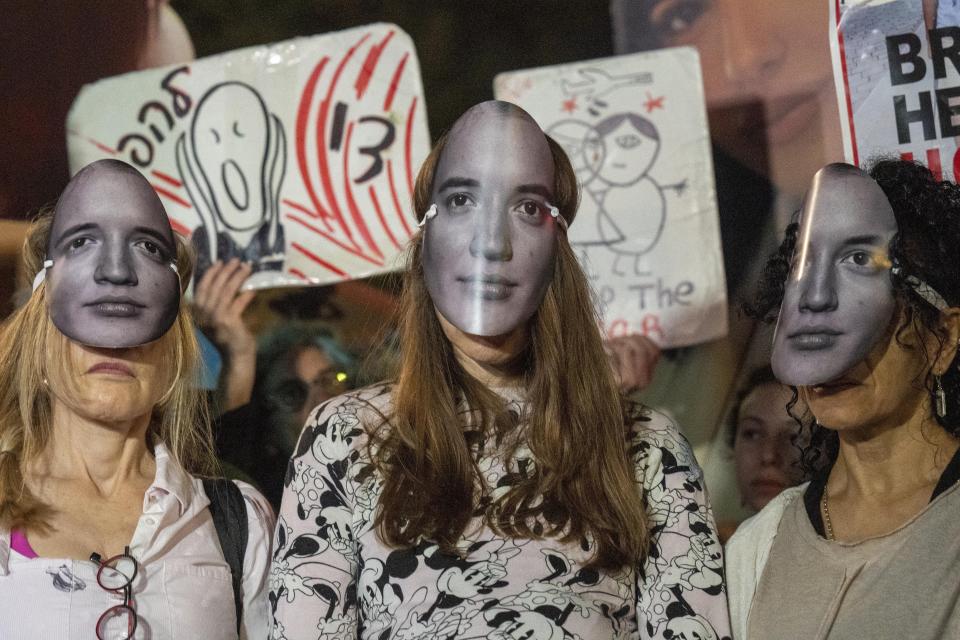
column 395, row 82
column 171, row 196
column 370, row 65
column 383, row 221
column 320, row 261
column 167, row 178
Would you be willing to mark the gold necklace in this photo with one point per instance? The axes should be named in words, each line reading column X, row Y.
column 827, row 526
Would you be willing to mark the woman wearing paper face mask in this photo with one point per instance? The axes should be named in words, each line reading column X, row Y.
column 499, row 487
column 104, row 532
column 867, row 331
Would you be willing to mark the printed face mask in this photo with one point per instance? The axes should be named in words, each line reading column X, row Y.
column 488, row 248
column 838, row 299
column 111, row 278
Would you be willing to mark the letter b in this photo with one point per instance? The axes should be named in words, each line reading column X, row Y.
column 897, row 59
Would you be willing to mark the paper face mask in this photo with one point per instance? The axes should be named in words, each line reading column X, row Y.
column 112, row 281
column 488, row 247
column 838, row 299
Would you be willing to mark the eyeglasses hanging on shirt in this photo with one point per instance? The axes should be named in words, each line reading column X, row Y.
column 116, row 574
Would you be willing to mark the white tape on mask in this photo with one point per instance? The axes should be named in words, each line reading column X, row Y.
column 431, row 213
column 42, row 274
column 555, row 214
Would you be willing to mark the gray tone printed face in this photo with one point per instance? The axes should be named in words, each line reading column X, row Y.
column 111, row 283
column 489, row 252
column 838, row 299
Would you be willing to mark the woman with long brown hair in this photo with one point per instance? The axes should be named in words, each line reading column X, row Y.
column 499, row 487
column 105, row 529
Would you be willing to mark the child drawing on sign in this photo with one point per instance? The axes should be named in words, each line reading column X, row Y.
column 623, row 207
column 632, row 208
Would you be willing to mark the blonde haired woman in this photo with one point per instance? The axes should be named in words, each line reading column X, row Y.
column 104, row 530
column 499, row 488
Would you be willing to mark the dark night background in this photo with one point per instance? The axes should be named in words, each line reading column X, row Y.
column 461, row 45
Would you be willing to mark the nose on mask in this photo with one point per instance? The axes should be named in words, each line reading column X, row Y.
column 116, row 266
column 492, row 237
column 115, row 306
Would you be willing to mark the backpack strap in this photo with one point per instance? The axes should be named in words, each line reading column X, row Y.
column 229, row 511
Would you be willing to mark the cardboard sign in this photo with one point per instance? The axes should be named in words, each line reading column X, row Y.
column 647, row 231
column 898, row 80
column 298, row 156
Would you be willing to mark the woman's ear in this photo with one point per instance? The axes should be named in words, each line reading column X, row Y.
column 950, row 327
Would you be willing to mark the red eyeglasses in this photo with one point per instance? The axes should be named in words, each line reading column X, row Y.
column 116, row 574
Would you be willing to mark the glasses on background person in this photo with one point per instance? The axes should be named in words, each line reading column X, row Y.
column 292, row 393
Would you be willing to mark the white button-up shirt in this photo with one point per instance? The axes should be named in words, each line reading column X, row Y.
column 182, row 588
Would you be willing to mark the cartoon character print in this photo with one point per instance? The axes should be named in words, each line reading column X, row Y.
column 464, row 585
column 510, row 624
column 287, row 583
column 332, row 577
column 693, row 627
column 566, row 590
column 321, row 476
column 65, row 580
column 685, row 559
column 379, row 597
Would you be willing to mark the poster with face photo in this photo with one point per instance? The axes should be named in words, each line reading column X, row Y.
column 646, row 232
column 897, row 73
column 297, row 157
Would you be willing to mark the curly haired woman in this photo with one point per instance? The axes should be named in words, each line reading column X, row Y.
column 868, row 286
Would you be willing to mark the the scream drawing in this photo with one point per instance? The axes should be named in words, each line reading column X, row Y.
column 236, row 192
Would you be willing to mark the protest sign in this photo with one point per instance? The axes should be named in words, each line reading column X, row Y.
column 298, row 156
column 897, row 73
column 647, row 232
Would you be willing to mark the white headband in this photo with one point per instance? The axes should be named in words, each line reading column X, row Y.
column 42, row 274
column 921, row 288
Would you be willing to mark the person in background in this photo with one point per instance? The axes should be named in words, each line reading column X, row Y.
column 299, row 365
column 765, row 438
column 268, row 386
column 107, row 529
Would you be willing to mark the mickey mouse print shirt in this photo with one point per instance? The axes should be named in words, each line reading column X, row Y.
column 333, row 578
